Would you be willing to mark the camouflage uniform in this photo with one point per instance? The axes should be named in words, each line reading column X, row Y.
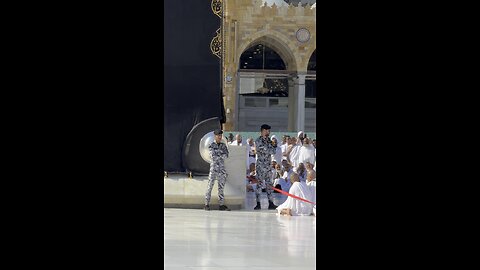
column 265, row 150
column 218, row 154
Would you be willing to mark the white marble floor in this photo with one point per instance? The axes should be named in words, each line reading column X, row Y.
column 241, row 239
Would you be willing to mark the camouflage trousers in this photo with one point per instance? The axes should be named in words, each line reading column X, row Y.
column 221, row 177
column 264, row 177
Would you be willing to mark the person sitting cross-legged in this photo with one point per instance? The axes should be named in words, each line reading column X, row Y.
column 251, row 179
column 312, row 183
column 296, row 207
column 284, row 183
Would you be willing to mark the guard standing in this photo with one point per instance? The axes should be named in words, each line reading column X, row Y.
column 265, row 150
column 218, row 153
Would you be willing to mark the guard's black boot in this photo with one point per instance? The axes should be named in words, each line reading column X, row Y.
column 207, row 207
column 257, row 207
column 224, row 208
column 271, row 206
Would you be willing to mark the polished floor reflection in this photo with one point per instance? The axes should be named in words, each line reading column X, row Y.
column 242, row 239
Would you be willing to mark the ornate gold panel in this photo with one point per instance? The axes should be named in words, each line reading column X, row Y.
column 217, row 8
column 216, row 44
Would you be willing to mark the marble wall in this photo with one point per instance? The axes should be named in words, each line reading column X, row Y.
column 180, row 191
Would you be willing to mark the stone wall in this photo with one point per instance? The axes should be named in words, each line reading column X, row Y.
column 183, row 192
column 248, row 23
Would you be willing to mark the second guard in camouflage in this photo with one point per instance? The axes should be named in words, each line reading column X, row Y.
column 265, row 150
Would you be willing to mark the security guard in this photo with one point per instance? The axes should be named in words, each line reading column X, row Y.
column 218, row 153
column 265, row 150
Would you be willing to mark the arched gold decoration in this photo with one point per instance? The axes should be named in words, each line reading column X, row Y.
column 217, row 7
column 216, row 44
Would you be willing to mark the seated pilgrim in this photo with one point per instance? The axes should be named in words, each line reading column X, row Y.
column 251, row 179
column 296, row 207
column 278, row 181
column 312, row 183
column 301, row 171
column 283, row 180
column 283, row 184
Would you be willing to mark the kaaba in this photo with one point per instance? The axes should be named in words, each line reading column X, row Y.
column 192, row 72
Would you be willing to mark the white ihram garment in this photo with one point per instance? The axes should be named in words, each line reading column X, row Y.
column 278, row 155
column 294, row 155
column 307, row 153
column 249, row 158
column 236, row 143
column 313, row 187
column 284, row 150
column 298, row 207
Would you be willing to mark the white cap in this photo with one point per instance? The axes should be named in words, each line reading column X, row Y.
column 274, row 137
column 300, row 132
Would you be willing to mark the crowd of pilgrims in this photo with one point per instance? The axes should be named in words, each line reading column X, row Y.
column 293, row 170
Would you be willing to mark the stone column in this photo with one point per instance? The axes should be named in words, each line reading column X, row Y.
column 300, row 90
column 296, row 103
column 291, row 105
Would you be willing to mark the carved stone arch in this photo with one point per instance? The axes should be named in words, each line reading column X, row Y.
column 275, row 41
column 309, row 55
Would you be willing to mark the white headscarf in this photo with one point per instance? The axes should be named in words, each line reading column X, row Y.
column 300, row 142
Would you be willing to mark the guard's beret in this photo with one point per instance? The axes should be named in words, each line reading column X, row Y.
column 264, row 126
column 217, row 132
